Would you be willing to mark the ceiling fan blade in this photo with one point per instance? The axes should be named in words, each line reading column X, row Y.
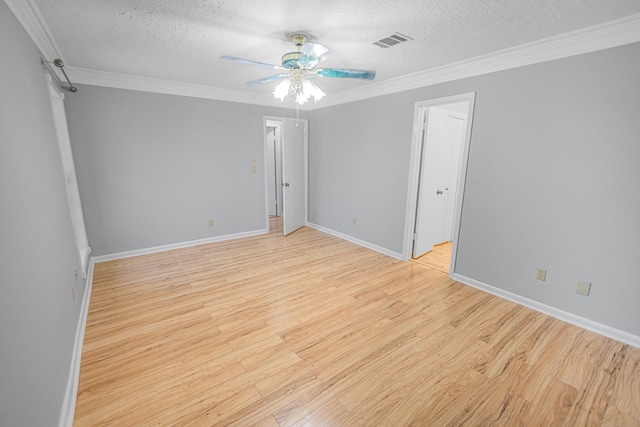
column 346, row 74
column 267, row 79
column 251, row 62
column 315, row 50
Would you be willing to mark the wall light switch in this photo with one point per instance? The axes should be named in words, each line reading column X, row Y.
column 583, row 288
column 541, row 274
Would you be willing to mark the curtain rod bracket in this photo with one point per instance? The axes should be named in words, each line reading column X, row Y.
column 60, row 64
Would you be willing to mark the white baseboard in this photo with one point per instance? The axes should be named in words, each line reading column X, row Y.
column 69, row 403
column 71, row 393
column 590, row 325
column 359, row 242
column 155, row 249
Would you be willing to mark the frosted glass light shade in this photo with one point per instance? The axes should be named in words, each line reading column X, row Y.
column 301, row 87
column 301, row 98
column 311, row 89
column 282, row 89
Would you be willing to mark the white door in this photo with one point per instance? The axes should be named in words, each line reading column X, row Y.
column 294, row 135
column 457, row 127
column 442, row 138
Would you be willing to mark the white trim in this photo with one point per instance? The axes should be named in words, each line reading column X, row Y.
column 169, row 247
column 59, row 116
column 71, row 392
column 267, row 121
column 278, row 123
column 306, row 171
column 414, row 170
column 34, row 24
column 170, row 87
column 85, row 256
column 590, row 325
column 603, row 36
column 598, row 37
column 358, row 242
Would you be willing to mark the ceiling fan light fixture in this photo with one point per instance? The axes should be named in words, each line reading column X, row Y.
column 301, row 87
column 300, row 68
column 282, row 89
column 301, row 98
column 312, row 89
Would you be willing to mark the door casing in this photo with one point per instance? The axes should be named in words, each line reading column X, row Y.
column 278, row 123
column 440, row 162
column 414, row 172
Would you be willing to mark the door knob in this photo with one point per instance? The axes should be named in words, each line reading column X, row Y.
column 438, row 192
column 285, row 184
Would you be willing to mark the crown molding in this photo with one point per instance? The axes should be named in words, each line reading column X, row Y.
column 610, row 34
column 34, row 24
column 169, row 87
column 603, row 36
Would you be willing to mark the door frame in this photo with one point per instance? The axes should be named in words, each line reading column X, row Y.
column 414, row 171
column 425, row 231
column 277, row 122
column 277, row 165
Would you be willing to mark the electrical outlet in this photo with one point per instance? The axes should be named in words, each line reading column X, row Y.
column 541, row 274
column 355, row 222
column 583, row 288
column 210, row 223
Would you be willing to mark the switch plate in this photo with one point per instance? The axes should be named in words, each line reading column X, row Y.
column 73, row 293
column 541, row 274
column 583, row 288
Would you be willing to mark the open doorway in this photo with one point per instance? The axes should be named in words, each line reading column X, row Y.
column 286, row 147
column 273, row 149
column 442, row 128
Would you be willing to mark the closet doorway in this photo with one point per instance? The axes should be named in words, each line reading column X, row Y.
column 286, row 148
column 442, row 129
column 273, row 147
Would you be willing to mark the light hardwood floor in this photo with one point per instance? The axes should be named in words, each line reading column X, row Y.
column 311, row 330
column 439, row 258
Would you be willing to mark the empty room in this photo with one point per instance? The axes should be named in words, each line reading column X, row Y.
column 322, row 213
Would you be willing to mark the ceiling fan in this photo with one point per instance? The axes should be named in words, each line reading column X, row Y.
column 299, row 70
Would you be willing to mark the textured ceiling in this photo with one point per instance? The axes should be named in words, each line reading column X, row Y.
column 182, row 40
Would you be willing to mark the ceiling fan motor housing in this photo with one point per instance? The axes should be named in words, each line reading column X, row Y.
column 298, row 60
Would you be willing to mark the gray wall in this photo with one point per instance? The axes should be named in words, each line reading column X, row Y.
column 358, row 168
column 553, row 179
column 38, row 317
column 153, row 169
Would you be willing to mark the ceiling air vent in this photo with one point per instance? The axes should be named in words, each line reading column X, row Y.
column 392, row 40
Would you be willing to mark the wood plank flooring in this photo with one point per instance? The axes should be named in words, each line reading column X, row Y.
column 439, row 258
column 311, row 330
